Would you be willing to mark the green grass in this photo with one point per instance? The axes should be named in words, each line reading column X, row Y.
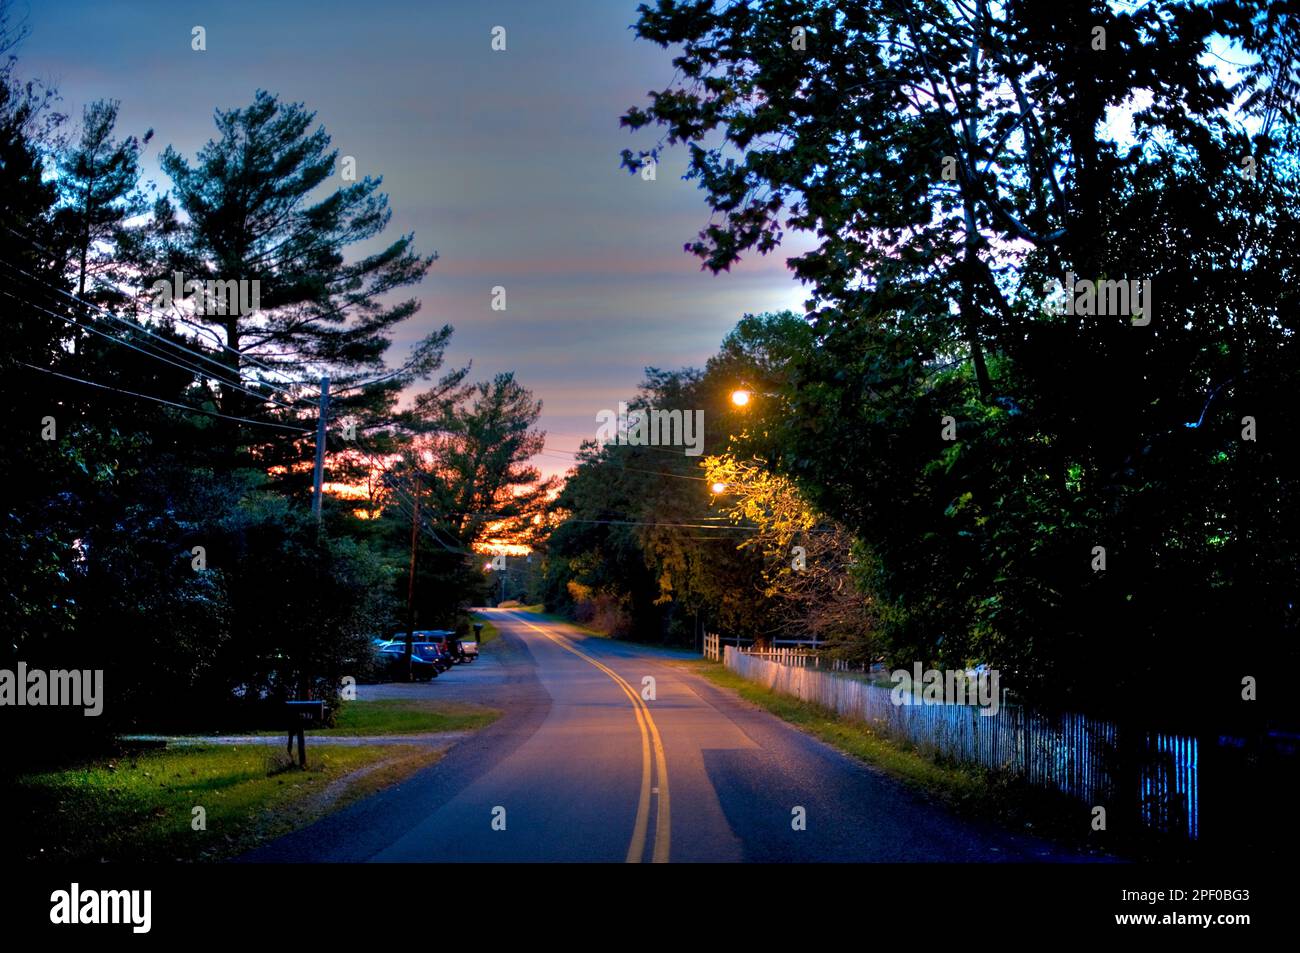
column 139, row 806
column 402, row 716
column 967, row 789
column 954, row 784
column 490, row 631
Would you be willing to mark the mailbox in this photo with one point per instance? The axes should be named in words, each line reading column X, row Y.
column 301, row 716
column 308, row 714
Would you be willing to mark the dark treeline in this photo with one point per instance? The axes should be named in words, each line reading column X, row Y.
column 158, row 463
column 1087, row 490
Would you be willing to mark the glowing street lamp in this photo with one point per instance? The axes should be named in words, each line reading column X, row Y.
column 740, row 397
column 719, row 487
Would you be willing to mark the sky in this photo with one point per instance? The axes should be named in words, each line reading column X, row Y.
column 504, row 163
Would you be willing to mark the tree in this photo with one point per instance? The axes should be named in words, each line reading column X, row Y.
column 99, row 187
column 453, row 469
column 950, row 160
column 634, row 541
column 255, row 222
column 477, row 487
column 35, row 559
column 808, row 580
column 480, row 476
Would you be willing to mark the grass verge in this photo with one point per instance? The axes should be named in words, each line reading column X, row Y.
column 952, row 783
column 403, row 716
column 968, row 790
column 141, row 806
column 490, row 631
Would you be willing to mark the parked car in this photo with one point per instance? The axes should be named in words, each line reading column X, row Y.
column 427, row 647
column 435, row 653
column 438, row 637
column 452, row 644
column 390, row 661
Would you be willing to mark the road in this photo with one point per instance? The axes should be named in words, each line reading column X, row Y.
column 582, row 767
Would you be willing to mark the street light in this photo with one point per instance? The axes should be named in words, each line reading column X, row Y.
column 744, row 396
column 719, row 487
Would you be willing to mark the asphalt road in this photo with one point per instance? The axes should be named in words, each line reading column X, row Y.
column 584, row 767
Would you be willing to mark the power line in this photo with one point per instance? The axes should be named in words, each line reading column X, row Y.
column 160, row 400
column 402, row 497
column 243, row 355
column 661, row 525
column 712, row 526
column 140, row 328
column 116, row 340
column 607, row 462
column 137, row 326
column 569, row 433
column 405, row 501
column 378, row 380
column 225, row 368
column 114, row 287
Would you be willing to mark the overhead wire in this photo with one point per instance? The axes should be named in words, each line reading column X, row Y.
column 243, row 355
column 135, row 325
column 160, row 400
column 185, row 366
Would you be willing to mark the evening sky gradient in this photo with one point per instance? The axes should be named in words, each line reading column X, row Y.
column 505, row 164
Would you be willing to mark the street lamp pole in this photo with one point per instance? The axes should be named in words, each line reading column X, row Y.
column 410, row 585
column 322, row 421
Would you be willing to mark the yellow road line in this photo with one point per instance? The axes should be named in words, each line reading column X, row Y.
column 636, row 849
column 649, row 735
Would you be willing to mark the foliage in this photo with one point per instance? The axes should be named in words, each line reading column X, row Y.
column 950, row 160
column 149, row 536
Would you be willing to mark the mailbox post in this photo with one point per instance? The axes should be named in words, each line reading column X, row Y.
column 478, row 632
column 302, row 715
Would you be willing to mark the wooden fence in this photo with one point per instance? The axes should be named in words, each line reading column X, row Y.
column 1081, row 756
column 787, row 656
column 784, row 652
column 713, row 643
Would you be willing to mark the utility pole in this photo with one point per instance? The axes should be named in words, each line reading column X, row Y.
column 322, row 420
column 410, row 584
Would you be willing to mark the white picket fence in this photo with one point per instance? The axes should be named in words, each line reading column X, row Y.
column 1072, row 753
column 796, row 653
column 713, row 644
column 787, row 656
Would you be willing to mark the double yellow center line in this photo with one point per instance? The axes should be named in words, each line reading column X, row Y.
column 649, row 739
